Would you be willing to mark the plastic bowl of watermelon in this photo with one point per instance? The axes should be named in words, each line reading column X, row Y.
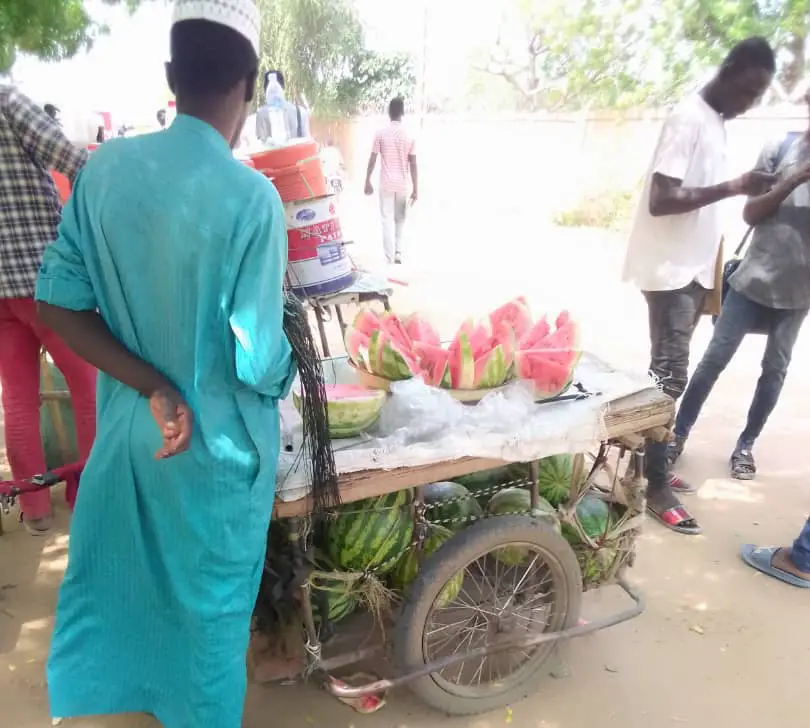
column 352, row 409
column 484, row 356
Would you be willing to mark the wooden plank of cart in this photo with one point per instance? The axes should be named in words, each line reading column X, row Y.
column 509, row 618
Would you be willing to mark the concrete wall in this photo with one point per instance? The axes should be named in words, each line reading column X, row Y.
column 544, row 160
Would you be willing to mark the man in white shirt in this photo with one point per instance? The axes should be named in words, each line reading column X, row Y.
column 673, row 246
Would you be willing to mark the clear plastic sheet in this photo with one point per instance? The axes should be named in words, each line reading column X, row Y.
column 421, row 425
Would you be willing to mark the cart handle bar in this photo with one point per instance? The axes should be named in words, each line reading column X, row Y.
column 340, row 690
column 16, row 486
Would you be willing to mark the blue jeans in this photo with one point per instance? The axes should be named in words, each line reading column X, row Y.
column 738, row 317
column 800, row 553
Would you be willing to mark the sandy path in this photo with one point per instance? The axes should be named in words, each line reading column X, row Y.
column 716, row 642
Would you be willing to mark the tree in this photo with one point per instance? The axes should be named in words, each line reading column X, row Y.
column 375, row 79
column 49, row 29
column 615, row 53
column 319, row 46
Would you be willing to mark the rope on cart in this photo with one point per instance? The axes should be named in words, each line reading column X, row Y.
column 319, row 459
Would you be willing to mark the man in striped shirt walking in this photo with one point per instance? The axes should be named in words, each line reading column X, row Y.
column 397, row 159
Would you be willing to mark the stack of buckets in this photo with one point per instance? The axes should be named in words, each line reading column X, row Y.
column 317, row 261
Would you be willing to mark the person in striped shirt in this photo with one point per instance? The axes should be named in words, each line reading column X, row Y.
column 397, row 155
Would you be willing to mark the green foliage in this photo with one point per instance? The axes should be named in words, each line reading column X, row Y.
column 611, row 209
column 575, row 54
column 319, row 46
column 49, row 29
column 374, row 80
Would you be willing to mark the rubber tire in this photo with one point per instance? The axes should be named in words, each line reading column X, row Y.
column 464, row 548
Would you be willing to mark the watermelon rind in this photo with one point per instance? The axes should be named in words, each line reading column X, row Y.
column 451, row 505
column 407, row 568
column 340, row 599
column 350, row 417
column 491, row 369
column 395, row 364
column 463, row 368
column 485, row 483
column 372, row 534
column 554, row 478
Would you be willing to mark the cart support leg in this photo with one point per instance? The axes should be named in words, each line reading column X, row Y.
column 322, row 330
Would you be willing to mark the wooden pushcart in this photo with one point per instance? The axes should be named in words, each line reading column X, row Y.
column 507, row 619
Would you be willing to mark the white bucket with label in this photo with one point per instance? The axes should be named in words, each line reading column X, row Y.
column 317, row 263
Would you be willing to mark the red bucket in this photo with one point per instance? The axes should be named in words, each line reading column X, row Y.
column 301, row 181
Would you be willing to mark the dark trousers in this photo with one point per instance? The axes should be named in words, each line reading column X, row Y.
column 673, row 318
column 739, row 317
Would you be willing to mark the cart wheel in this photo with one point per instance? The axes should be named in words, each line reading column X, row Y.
column 534, row 587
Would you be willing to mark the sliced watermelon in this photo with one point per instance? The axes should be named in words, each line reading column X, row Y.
column 461, row 363
column 537, row 333
column 357, row 344
column 516, row 313
column 562, row 346
column 548, row 377
column 491, row 370
column 396, row 364
column 480, row 340
column 421, row 331
column 366, row 322
column 504, row 337
column 390, row 323
column 432, row 361
column 376, row 343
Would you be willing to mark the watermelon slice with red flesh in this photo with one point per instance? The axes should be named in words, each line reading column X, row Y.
column 433, row 362
column 562, row 346
column 549, row 378
column 366, row 322
column 357, row 347
column 537, row 333
column 516, row 313
column 395, row 363
column 504, row 337
column 390, row 323
column 421, row 331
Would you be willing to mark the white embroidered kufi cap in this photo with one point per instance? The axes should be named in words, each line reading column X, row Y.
column 240, row 15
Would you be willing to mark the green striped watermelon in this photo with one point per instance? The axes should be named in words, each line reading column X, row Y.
column 485, row 483
column 451, row 505
column 514, row 501
column 340, row 601
column 554, row 479
column 408, row 566
column 372, row 534
column 595, row 518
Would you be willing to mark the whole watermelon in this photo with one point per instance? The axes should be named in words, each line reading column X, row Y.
column 371, row 534
column 408, row 566
column 554, row 478
column 336, row 595
column 485, row 483
column 451, row 505
column 594, row 515
column 515, row 501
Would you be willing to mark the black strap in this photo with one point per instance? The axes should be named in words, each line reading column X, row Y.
column 300, row 124
column 781, row 153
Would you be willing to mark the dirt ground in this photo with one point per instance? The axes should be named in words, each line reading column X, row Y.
column 717, row 645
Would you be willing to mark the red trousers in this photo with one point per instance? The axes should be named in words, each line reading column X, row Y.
column 21, row 337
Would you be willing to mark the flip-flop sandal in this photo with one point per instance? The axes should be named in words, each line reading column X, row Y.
column 743, row 466
column 680, row 486
column 677, row 519
column 761, row 559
